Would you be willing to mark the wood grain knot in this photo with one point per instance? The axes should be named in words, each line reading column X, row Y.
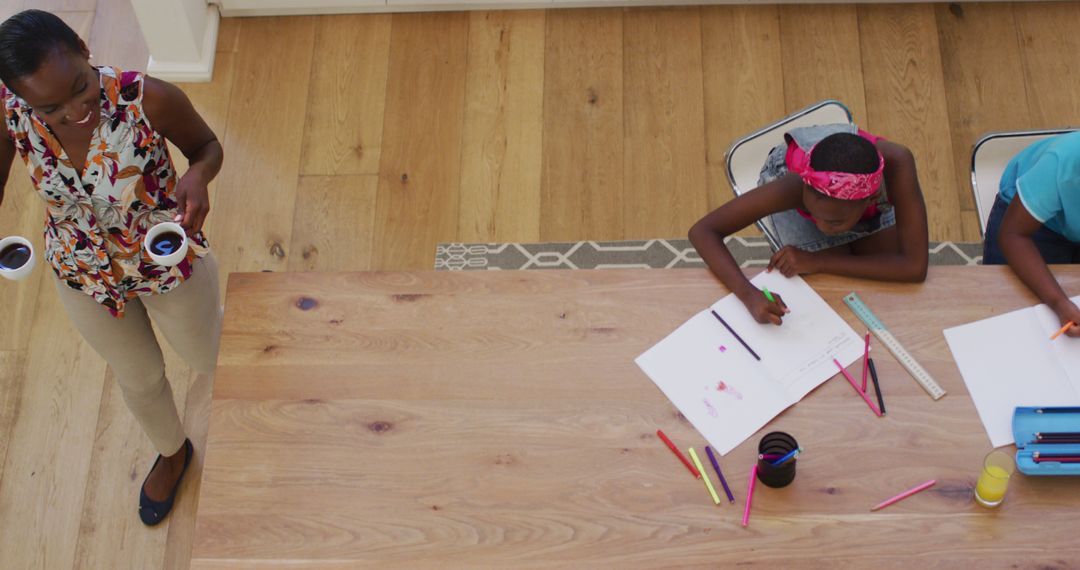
column 306, row 303
column 408, row 297
column 404, row 178
column 830, row 490
column 277, row 251
column 269, row 348
column 309, row 251
column 380, row 427
column 434, row 507
column 562, row 315
column 505, row 459
column 956, row 9
column 314, row 401
column 592, row 97
column 336, row 321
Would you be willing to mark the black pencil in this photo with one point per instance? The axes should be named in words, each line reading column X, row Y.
column 1057, row 434
column 1057, row 410
column 877, row 387
column 734, row 334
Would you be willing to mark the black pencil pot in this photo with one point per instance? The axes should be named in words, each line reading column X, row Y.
column 776, row 443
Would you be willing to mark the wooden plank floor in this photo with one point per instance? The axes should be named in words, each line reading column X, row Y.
column 372, row 137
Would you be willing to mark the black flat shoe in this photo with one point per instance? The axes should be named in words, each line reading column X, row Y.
column 153, row 512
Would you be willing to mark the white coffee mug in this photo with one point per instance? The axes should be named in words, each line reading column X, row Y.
column 23, row 271
column 166, row 259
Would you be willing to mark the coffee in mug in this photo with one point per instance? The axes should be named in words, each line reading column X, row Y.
column 166, row 243
column 14, row 256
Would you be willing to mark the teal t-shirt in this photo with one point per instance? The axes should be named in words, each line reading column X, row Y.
column 1046, row 175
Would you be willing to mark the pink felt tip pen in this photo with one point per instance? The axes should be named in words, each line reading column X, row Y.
column 749, row 496
column 865, row 361
column 851, row 381
column 904, row 495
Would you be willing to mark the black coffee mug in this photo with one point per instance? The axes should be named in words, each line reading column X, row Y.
column 780, row 444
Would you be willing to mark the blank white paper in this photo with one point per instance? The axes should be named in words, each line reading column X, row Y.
column 1009, row 360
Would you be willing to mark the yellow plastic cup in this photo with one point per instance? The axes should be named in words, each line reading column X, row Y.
column 998, row 466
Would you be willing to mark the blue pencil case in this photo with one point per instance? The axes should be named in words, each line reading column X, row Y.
column 1043, row 434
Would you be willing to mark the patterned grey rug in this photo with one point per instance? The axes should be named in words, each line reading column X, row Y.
column 653, row 253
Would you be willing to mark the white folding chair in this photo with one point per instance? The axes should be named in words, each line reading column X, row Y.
column 747, row 155
column 989, row 158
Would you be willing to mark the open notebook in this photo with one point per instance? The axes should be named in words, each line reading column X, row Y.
column 722, row 389
column 1009, row 361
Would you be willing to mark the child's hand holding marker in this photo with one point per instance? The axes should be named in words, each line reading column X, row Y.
column 1069, row 315
column 768, row 307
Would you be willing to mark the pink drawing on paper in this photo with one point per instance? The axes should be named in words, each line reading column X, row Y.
column 709, row 408
column 725, row 388
column 722, row 348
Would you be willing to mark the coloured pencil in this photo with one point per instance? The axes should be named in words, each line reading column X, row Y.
column 735, row 334
column 704, row 477
column 904, row 495
column 1056, row 434
column 865, row 360
column 720, row 474
column 786, row 457
column 770, row 456
column 768, row 295
column 877, row 387
column 1067, row 326
column 749, row 495
column 856, row 387
column 1053, row 458
column 678, row 454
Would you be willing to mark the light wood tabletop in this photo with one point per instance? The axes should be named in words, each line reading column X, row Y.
column 498, row 419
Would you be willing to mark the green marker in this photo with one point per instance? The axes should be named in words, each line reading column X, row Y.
column 768, row 295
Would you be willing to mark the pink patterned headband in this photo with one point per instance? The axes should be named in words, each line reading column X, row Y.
column 841, row 185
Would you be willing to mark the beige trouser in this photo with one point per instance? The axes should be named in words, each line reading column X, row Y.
column 190, row 318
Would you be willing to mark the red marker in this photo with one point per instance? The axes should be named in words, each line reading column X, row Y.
column 679, row 454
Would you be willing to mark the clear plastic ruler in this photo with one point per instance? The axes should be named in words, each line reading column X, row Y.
column 875, row 325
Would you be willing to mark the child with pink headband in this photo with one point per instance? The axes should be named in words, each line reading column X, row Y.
column 841, row 200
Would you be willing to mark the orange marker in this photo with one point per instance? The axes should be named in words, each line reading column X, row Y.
column 1067, row 326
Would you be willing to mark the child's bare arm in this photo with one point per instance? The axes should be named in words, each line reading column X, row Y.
column 708, row 235
column 1016, row 243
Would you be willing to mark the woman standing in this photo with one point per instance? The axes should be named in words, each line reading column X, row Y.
column 94, row 142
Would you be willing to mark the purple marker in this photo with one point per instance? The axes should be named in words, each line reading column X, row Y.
column 720, row 474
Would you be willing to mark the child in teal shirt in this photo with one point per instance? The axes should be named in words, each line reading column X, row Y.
column 1043, row 225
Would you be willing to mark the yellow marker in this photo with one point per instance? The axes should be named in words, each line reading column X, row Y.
column 704, row 477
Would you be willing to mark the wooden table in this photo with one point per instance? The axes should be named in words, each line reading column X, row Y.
column 498, row 419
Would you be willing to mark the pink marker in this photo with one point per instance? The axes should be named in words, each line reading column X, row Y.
column 865, row 361
column 749, row 496
column 856, row 386
column 904, row 495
